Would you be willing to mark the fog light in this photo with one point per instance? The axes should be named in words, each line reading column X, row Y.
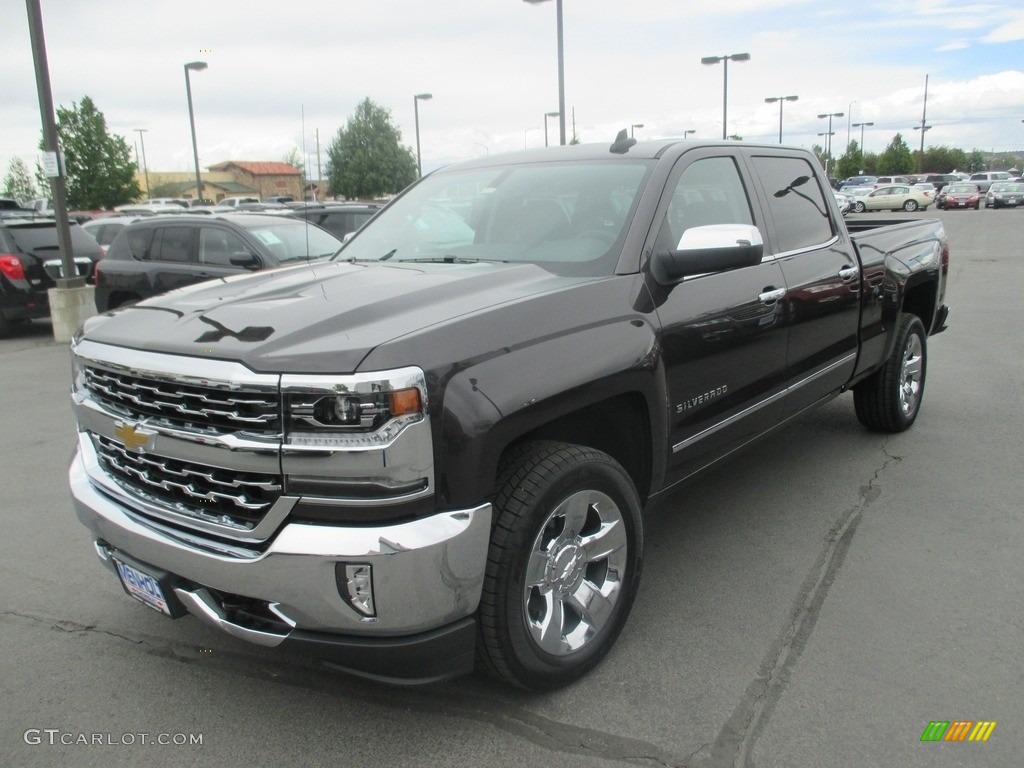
column 355, row 584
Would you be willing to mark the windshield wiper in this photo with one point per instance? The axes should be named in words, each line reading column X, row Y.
column 385, row 257
column 449, row 259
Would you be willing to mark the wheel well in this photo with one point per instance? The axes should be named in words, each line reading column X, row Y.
column 920, row 301
column 618, row 426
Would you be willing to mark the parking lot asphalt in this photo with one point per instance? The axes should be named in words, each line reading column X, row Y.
column 818, row 601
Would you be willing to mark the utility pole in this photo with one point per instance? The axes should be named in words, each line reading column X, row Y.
column 72, row 302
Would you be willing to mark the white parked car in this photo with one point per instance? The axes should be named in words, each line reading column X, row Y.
column 234, row 202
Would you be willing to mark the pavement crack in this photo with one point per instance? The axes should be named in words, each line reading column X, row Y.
column 735, row 743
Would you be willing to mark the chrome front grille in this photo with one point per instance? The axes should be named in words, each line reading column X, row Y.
column 225, row 497
column 185, row 405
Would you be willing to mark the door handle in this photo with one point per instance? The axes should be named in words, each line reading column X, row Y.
column 771, row 295
column 846, row 274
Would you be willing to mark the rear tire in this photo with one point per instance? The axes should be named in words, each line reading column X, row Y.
column 890, row 399
column 563, row 567
column 910, row 206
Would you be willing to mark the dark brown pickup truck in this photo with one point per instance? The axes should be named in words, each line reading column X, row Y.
column 434, row 451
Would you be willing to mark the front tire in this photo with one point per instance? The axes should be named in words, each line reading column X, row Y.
column 564, row 564
column 859, row 207
column 890, row 399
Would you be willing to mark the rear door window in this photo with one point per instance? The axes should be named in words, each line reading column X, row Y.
column 796, row 202
column 173, row 244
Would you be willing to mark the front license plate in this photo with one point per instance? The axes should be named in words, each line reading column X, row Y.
column 143, row 587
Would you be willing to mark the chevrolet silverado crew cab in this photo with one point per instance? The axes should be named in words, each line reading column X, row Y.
column 433, row 451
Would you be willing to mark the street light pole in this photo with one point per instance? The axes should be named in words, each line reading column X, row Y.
column 780, row 99
column 924, row 128
column 861, row 126
column 561, row 68
column 197, row 66
column 829, row 134
column 849, row 117
column 145, row 165
column 416, row 111
column 546, row 116
column 725, row 82
column 688, row 131
column 634, row 125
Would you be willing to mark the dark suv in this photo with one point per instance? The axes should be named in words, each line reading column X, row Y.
column 158, row 254
column 340, row 219
column 30, row 263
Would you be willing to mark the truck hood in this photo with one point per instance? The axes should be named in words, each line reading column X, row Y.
column 320, row 318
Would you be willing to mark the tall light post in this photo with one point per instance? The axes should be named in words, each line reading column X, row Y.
column 546, row 116
column 861, row 126
column 725, row 81
column 688, row 131
column 197, row 66
column 849, row 117
column 923, row 128
column 561, row 69
column 780, row 99
column 145, row 165
column 416, row 111
column 829, row 135
column 634, row 125
column 920, row 157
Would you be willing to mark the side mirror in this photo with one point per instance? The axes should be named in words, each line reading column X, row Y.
column 245, row 260
column 712, row 248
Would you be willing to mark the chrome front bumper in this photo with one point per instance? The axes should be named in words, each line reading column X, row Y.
column 427, row 573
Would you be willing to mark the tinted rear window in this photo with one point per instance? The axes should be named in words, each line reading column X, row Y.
column 42, row 237
column 796, row 202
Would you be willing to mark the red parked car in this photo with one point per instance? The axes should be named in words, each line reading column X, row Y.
column 965, row 195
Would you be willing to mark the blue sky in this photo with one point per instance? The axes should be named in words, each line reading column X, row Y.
column 281, row 73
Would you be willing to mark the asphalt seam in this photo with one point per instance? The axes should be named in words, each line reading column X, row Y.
column 734, row 746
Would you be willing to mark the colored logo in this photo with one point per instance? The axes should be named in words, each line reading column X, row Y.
column 958, row 730
column 134, row 438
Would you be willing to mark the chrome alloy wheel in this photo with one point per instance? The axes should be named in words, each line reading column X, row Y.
column 575, row 572
column 911, row 374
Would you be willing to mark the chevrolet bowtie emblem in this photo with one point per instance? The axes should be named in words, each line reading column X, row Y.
column 133, row 437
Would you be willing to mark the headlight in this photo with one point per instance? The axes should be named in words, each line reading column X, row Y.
column 360, row 410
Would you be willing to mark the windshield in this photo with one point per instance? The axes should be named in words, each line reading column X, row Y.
column 291, row 240
column 568, row 217
column 961, row 188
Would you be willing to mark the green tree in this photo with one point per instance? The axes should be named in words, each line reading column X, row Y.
column 819, row 152
column 896, row 158
column 18, row 181
column 98, row 166
column 975, row 162
column 851, row 163
column 943, row 159
column 367, row 159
